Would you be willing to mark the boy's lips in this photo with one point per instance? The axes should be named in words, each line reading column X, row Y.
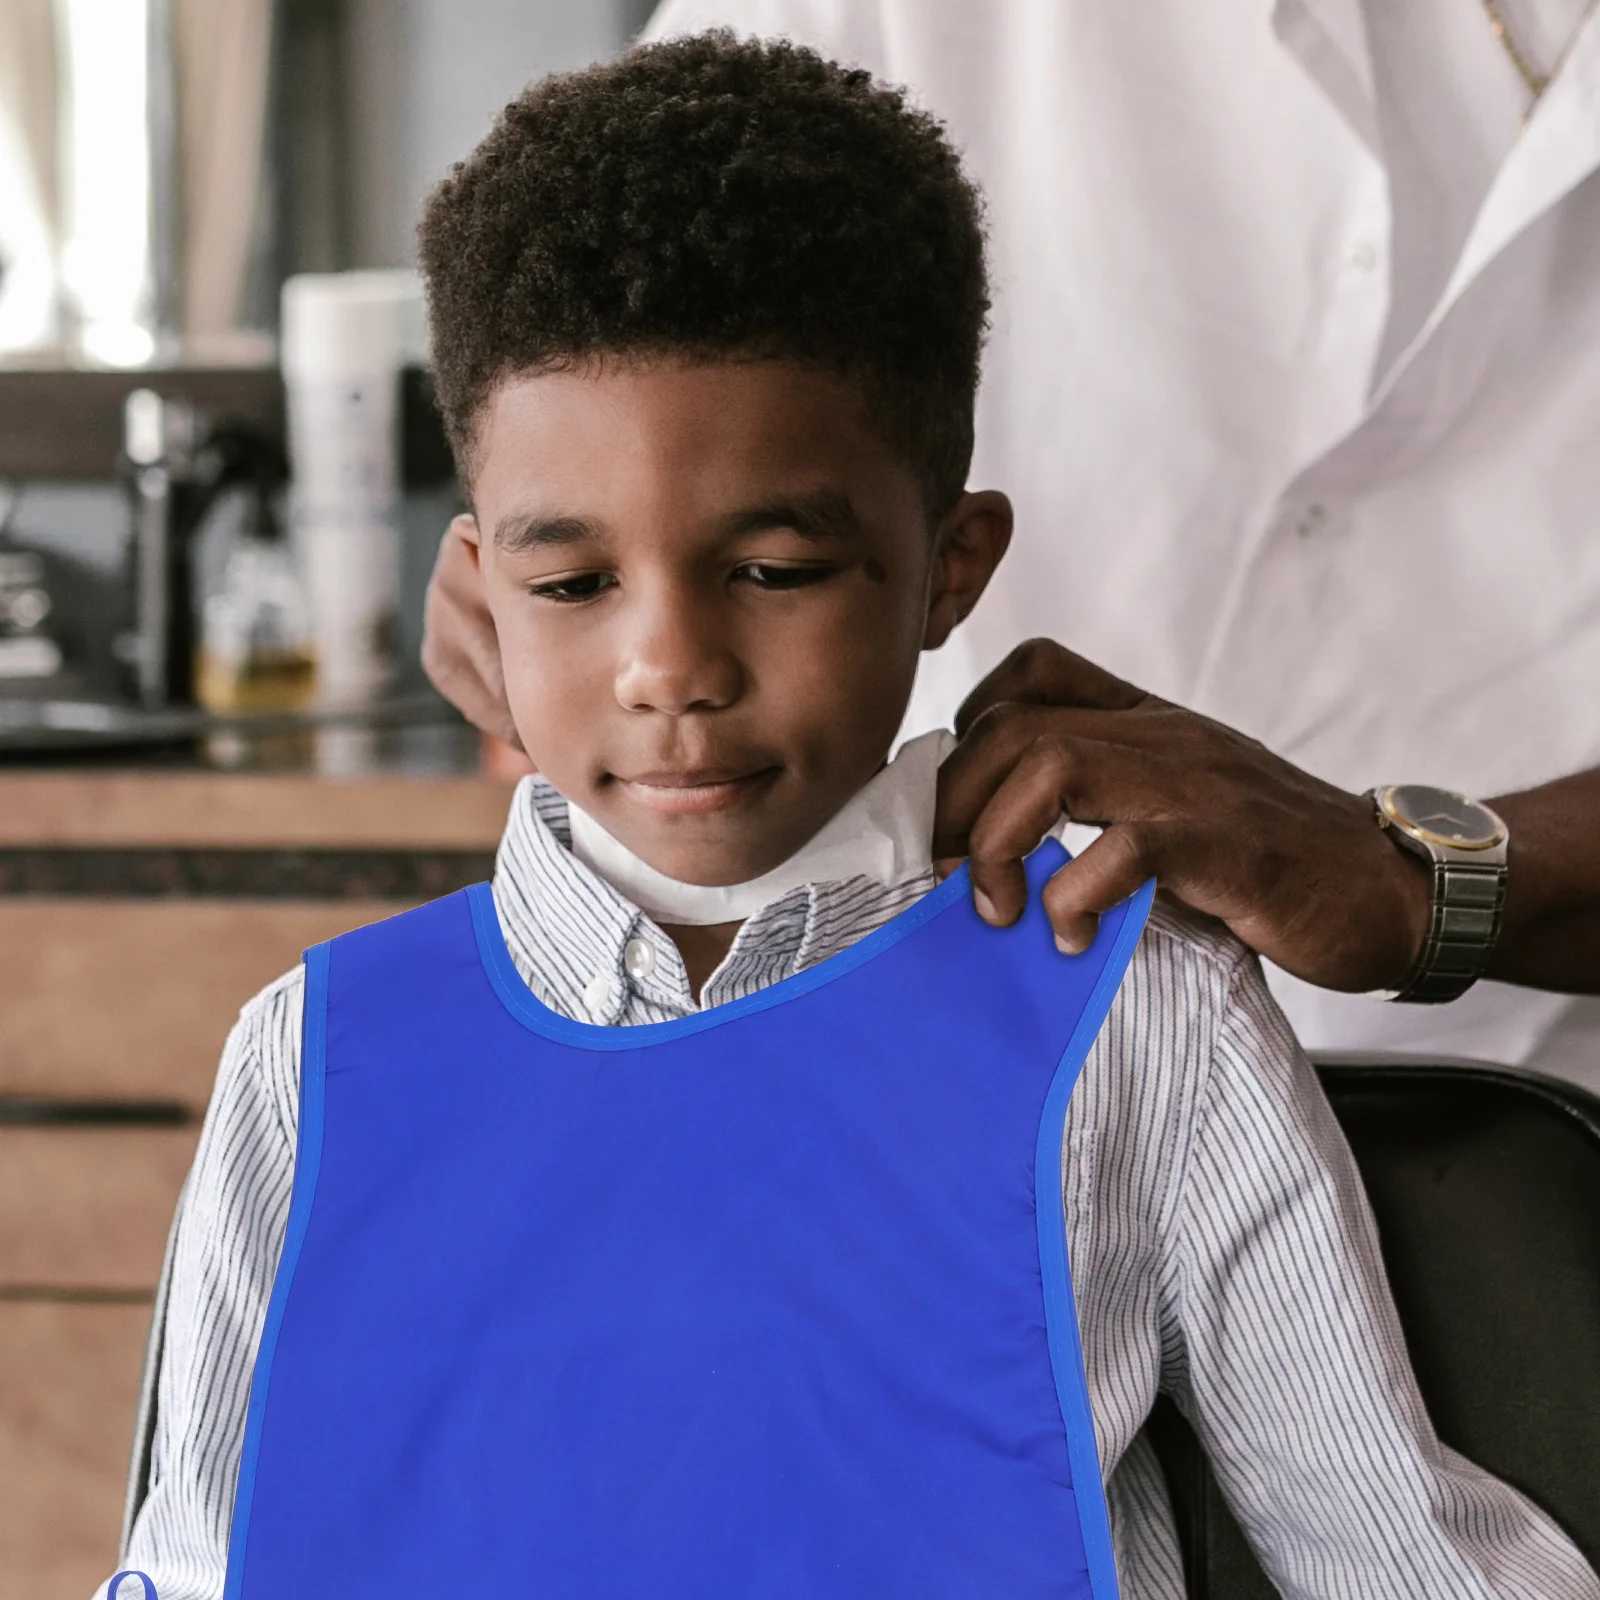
column 678, row 793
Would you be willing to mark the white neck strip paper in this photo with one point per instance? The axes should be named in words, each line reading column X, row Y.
column 884, row 833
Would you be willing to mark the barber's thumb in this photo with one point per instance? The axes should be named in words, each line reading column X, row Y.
column 999, row 890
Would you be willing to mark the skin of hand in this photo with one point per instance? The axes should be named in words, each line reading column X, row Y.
column 460, row 650
column 1296, row 868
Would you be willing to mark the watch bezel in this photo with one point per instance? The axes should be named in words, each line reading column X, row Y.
column 1404, row 824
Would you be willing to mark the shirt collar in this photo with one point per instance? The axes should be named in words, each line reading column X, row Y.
column 565, row 928
column 568, row 931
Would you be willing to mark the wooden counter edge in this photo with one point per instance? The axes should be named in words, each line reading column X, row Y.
column 110, row 809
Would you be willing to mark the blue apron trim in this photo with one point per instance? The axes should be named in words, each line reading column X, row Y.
column 147, row 1589
column 307, row 1161
column 1060, row 1310
column 533, row 1014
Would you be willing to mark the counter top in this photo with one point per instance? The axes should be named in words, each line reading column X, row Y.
column 252, row 836
column 200, row 810
column 140, row 909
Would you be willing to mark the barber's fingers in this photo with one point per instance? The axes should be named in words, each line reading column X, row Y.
column 1052, row 775
column 1108, row 769
column 985, row 760
column 1042, row 672
column 460, row 652
column 1002, row 737
column 1110, row 869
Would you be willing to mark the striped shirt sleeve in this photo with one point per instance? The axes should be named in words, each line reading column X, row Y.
column 1292, row 1365
column 229, row 1236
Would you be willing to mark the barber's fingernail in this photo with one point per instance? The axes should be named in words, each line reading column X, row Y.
column 1069, row 947
column 985, row 906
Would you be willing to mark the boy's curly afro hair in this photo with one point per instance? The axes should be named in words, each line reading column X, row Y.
column 717, row 198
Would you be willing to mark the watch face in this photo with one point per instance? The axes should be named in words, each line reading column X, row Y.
column 1441, row 817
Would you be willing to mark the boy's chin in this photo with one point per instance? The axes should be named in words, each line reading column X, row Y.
column 710, row 840
column 714, row 850
column 711, row 863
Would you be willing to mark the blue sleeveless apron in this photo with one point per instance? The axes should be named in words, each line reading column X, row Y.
column 767, row 1303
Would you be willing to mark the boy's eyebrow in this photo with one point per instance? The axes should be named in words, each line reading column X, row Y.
column 519, row 531
column 822, row 514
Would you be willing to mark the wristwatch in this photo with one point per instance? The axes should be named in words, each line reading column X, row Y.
column 1466, row 844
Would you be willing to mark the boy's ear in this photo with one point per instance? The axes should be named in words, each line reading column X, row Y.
column 465, row 528
column 967, row 546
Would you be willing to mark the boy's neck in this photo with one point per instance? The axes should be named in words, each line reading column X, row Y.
column 703, row 947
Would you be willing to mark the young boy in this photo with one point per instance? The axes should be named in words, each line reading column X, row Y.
column 706, row 327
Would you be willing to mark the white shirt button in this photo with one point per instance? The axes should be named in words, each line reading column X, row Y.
column 1312, row 519
column 597, row 994
column 1362, row 256
column 638, row 958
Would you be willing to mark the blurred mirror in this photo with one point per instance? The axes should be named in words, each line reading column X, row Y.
column 166, row 167
column 137, row 206
column 166, row 164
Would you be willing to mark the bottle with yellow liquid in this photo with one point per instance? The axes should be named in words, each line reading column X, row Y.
column 255, row 650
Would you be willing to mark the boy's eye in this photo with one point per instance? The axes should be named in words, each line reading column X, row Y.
column 580, row 586
column 777, row 575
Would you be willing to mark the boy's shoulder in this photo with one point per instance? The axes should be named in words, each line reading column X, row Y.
column 278, row 1004
column 1197, row 945
column 1192, row 991
column 261, row 1060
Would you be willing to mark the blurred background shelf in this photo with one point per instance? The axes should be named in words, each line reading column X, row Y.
column 37, row 726
column 64, row 424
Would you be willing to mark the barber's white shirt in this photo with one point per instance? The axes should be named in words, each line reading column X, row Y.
column 1295, row 380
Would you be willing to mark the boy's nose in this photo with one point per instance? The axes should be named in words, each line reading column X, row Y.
column 678, row 660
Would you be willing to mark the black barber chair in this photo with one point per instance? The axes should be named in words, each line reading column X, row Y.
column 1486, row 1186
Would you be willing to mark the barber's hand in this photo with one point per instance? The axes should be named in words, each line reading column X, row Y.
column 459, row 650
column 1298, row 869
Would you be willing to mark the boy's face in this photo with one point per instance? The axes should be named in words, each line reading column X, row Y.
column 711, row 583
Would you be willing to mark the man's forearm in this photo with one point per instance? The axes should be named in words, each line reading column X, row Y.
column 1551, row 935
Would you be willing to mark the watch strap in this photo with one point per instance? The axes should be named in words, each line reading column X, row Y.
column 1468, row 901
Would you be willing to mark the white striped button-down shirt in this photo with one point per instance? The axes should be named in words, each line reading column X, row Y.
column 1221, row 1248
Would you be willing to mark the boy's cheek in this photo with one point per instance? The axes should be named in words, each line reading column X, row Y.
column 521, row 623
column 551, row 695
